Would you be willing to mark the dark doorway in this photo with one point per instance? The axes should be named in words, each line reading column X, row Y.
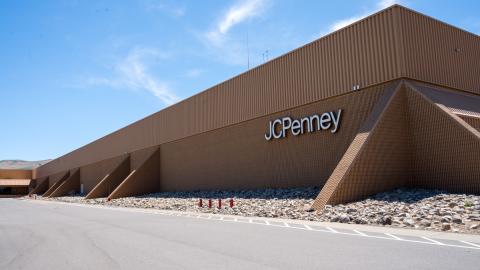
column 5, row 191
column 15, row 190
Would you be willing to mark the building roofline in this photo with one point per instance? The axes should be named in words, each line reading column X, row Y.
column 244, row 73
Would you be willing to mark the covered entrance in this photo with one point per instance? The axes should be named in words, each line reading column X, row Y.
column 14, row 187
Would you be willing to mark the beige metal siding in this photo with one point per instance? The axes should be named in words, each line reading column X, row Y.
column 239, row 157
column 430, row 52
column 14, row 182
column 15, row 174
column 92, row 173
column 393, row 43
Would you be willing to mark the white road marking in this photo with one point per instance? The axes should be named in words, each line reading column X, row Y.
column 256, row 221
column 331, row 230
column 267, row 223
column 360, row 233
column 286, row 225
column 433, row 241
column 468, row 243
column 393, row 236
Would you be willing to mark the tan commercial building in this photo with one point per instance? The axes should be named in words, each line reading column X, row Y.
column 390, row 101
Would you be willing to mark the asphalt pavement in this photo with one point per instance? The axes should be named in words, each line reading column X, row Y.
column 49, row 235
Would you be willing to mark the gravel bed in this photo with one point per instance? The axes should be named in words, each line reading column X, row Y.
column 404, row 208
column 416, row 208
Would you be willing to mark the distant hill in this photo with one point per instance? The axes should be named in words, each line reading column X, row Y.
column 21, row 164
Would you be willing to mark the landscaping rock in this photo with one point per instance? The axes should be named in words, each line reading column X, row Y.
column 405, row 208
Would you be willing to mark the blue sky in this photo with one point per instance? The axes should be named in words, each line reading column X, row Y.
column 74, row 71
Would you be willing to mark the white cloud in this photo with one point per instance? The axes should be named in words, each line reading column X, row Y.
column 219, row 40
column 347, row 21
column 386, row 3
column 132, row 72
column 236, row 14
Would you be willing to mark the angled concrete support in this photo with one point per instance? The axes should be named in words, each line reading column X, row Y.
column 70, row 185
column 447, row 148
column 473, row 121
column 143, row 180
column 378, row 159
column 408, row 140
column 111, row 180
column 56, row 184
column 42, row 186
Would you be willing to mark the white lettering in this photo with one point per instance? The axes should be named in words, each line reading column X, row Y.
column 280, row 127
column 325, row 120
column 312, row 118
column 276, row 136
column 268, row 136
column 336, row 121
column 304, row 121
column 296, row 127
column 287, row 123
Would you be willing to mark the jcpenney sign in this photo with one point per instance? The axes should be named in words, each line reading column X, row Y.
column 279, row 128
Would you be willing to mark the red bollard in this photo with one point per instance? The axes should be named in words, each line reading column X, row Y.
column 231, row 203
column 219, row 203
column 209, row 203
column 200, row 203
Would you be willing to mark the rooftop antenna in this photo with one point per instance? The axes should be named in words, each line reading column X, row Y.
column 265, row 56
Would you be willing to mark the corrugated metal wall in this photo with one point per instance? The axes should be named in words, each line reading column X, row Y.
column 382, row 47
column 94, row 172
column 446, row 150
column 239, row 157
column 409, row 140
column 379, row 157
column 15, row 174
column 438, row 53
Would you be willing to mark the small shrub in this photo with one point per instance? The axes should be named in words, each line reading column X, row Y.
column 468, row 203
